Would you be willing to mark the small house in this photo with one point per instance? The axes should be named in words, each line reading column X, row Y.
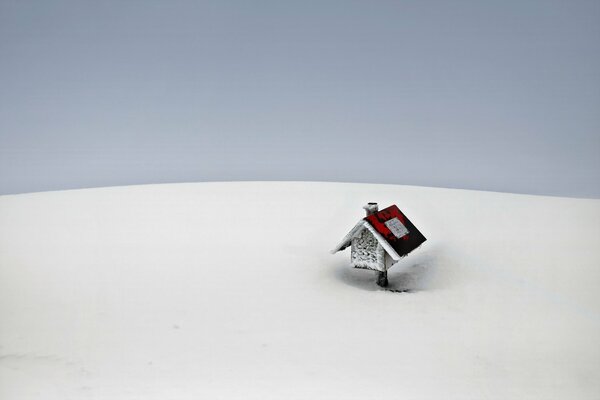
column 380, row 240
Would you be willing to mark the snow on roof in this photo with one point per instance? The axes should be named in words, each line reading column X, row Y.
column 362, row 224
column 392, row 229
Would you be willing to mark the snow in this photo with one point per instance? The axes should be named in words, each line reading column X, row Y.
column 365, row 225
column 228, row 290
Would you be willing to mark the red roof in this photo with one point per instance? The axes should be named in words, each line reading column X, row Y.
column 396, row 229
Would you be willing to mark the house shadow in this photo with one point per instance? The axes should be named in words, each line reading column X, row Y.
column 409, row 275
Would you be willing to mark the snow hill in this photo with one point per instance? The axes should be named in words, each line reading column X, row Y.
column 228, row 291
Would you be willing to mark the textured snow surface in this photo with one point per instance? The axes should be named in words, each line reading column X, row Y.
column 228, row 290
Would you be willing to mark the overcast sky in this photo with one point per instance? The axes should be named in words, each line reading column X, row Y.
column 490, row 95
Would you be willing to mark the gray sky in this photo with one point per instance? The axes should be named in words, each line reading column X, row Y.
column 491, row 95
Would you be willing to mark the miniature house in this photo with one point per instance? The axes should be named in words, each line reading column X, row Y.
column 380, row 240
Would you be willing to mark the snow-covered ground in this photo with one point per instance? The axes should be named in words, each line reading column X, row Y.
column 228, row 290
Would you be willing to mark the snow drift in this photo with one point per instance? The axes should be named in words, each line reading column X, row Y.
column 228, row 290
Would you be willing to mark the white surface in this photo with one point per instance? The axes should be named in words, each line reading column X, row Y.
column 136, row 293
column 361, row 224
column 396, row 227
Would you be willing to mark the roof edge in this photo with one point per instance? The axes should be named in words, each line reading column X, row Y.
column 362, row 224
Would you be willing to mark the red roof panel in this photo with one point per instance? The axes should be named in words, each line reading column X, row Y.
column 396, row 229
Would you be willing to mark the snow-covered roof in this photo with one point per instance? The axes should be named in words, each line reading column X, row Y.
column 392, row 229
column 362, row 224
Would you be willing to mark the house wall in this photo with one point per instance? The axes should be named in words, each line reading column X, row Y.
column 366, row 252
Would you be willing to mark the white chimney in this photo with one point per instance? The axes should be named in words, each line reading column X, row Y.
column 371, row 208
